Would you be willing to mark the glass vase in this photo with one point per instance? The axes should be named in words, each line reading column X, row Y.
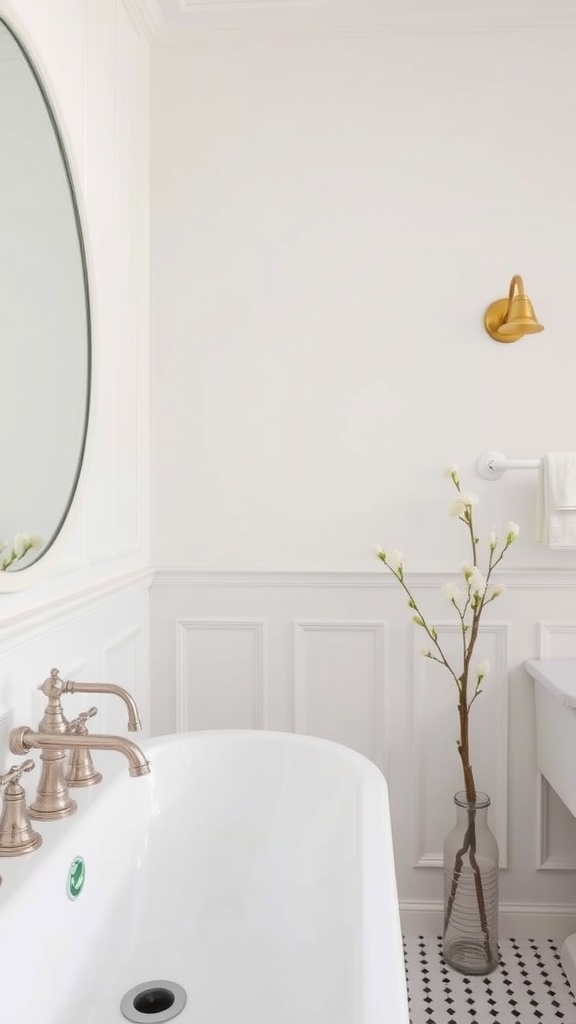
column 471, row 889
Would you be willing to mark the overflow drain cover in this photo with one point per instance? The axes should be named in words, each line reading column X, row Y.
column 153, row 1001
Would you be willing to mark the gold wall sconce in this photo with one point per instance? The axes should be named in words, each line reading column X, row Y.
column 510, row 319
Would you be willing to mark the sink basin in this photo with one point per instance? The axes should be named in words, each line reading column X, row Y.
column 555, row 717
column 254, row 869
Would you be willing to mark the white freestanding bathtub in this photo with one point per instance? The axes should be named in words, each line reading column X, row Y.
column 253, row 869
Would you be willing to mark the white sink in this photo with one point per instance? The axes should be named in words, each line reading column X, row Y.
column 555, row 716
column 254, row 869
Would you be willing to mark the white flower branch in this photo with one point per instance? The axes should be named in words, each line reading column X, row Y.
column 469, row 603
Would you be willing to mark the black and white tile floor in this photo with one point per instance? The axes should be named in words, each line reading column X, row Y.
column 528, row 987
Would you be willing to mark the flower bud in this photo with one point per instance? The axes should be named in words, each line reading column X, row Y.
column 476, row 582
column 512, row 531
column 394, row 560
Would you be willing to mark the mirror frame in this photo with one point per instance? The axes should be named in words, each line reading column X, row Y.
column 32, row 573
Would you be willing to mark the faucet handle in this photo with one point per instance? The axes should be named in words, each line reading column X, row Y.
column 53, row 685
column 81, row 770
column 16, row 833
column 13, row 774
column 78, row 724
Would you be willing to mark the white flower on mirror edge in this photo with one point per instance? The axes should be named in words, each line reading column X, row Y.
column 21, row 544
column 24, row 542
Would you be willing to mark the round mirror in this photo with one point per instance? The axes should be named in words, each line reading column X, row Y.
column 44, row 319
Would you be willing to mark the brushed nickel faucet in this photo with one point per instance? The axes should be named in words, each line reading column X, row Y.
column 16, row 833
column 56, row 735
column 54, row 687
column 70, row 686
column 52, row 797
column 23, row 739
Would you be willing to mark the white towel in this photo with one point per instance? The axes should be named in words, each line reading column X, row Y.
column 556, row 500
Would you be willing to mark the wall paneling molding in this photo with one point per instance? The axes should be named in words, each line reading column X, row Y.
column 339, row 683
column 221, row 679
column 336, row 655
column 542, row 578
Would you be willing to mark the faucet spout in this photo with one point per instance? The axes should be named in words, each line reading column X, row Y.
column 70, row 686
column 24, row 739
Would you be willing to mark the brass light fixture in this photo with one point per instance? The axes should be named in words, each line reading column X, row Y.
column 510, row 319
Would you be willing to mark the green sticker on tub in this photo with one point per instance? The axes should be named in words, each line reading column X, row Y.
column 76, row 876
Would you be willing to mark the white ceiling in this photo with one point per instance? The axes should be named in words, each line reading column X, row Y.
column 185, row 20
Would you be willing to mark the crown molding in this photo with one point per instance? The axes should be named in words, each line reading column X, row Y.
column 189, row 22
column 147, row 16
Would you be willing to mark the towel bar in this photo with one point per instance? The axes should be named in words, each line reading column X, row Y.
column 491, row 465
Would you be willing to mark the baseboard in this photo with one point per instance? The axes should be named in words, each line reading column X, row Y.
column 516, row 920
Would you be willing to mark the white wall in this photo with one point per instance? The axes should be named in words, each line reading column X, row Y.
column 89, row 615
column 331, row 219
column 331, row 215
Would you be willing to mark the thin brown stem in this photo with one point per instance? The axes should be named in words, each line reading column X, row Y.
column 431, row 635
column 469, row 844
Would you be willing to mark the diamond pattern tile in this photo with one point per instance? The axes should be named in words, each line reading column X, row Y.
column 529, row 986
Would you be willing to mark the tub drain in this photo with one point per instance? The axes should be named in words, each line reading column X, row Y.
column 156, row 1001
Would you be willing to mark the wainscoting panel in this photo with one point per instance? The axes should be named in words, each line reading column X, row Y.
column 122, row 659
column 556, row 831
column 220, row 674
column 339, row 684
column 336, row 655
column 557, row 639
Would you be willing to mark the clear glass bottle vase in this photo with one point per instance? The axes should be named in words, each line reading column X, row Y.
column 471, row 889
